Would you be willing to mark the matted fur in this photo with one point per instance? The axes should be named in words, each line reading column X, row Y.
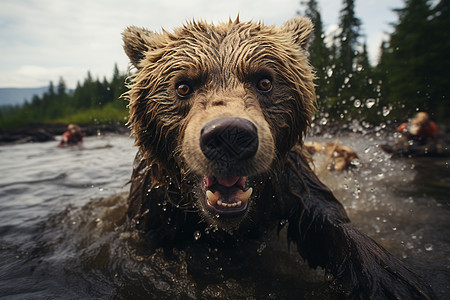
column 222, row 65
column 220, row 58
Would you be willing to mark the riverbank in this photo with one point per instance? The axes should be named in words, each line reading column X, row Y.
column 41, row 132
column 46, row 132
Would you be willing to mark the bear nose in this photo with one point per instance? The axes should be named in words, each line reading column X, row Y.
column 229, row 140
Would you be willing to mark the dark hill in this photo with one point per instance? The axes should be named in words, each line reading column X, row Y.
column 17, row 96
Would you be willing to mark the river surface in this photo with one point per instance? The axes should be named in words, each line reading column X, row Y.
column 63, row 231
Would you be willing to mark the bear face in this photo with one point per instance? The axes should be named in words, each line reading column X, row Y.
column 218, row 113
column 222, row 105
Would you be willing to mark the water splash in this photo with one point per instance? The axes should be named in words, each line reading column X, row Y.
column 386, row 110
column 370, row 102
column 197, row 235
column 429, row 247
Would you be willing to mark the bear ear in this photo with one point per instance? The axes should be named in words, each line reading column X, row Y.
column 301, row 29
column 137, row 41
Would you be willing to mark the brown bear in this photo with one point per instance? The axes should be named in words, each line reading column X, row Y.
column 219, row 113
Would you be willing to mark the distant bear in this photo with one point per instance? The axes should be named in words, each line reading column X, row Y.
column 219, row 113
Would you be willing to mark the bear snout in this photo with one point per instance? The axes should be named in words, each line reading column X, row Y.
column 229, row 140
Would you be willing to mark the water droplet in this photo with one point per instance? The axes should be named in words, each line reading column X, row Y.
column 197, row 235
column 409, row 245
column 386, row 110
column 357, row 103
column 370, row 102
column 261, row 247
column 323, row 121
column 330, row 72
column 428, row 247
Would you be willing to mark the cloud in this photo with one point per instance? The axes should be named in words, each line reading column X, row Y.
column 39, row 38
column 38, row 76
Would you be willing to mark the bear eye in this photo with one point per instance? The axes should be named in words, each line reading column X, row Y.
column 183, row 90
column 264, row 85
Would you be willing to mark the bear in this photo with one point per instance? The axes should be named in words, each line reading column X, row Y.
column 219, row 113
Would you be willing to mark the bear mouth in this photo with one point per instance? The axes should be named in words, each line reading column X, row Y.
column 226, row 195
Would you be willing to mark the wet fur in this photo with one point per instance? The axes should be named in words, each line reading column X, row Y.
column 223, row 62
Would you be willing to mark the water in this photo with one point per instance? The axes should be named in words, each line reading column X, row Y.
column 63, row 231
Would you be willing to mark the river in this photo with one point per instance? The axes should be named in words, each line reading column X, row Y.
column 63, row 231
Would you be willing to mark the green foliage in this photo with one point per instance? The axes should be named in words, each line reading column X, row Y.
column 319, row 53
column 409, row 56
column 93, row 101
column 415, row 65
column 412, row 72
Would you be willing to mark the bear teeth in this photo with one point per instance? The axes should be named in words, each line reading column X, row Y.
column 229, row 205
column 242, row 197
column 213, row 197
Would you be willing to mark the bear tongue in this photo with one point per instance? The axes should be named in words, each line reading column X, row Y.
column 228, row 181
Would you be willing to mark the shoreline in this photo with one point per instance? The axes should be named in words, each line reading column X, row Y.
column 37, row 133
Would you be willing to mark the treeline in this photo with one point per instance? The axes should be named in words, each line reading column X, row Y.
column 92, row 101
column 412, row 73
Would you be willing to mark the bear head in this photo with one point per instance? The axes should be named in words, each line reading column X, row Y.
column 218, row 107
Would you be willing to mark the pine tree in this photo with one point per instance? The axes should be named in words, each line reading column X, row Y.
column 348, row 38
column 51, row 89
column 345, row 76
column 318, row 52
column 118, row 87
column 410, row 75
column 380, row 76
column 440, row 62
column 61, row 89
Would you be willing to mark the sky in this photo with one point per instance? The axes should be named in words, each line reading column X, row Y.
column 44, row 40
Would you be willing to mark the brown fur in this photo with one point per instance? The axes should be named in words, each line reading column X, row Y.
column 340, row 157
column 217, row 58
column 222, row 64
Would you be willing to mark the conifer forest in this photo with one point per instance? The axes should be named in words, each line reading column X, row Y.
column 411, row 74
